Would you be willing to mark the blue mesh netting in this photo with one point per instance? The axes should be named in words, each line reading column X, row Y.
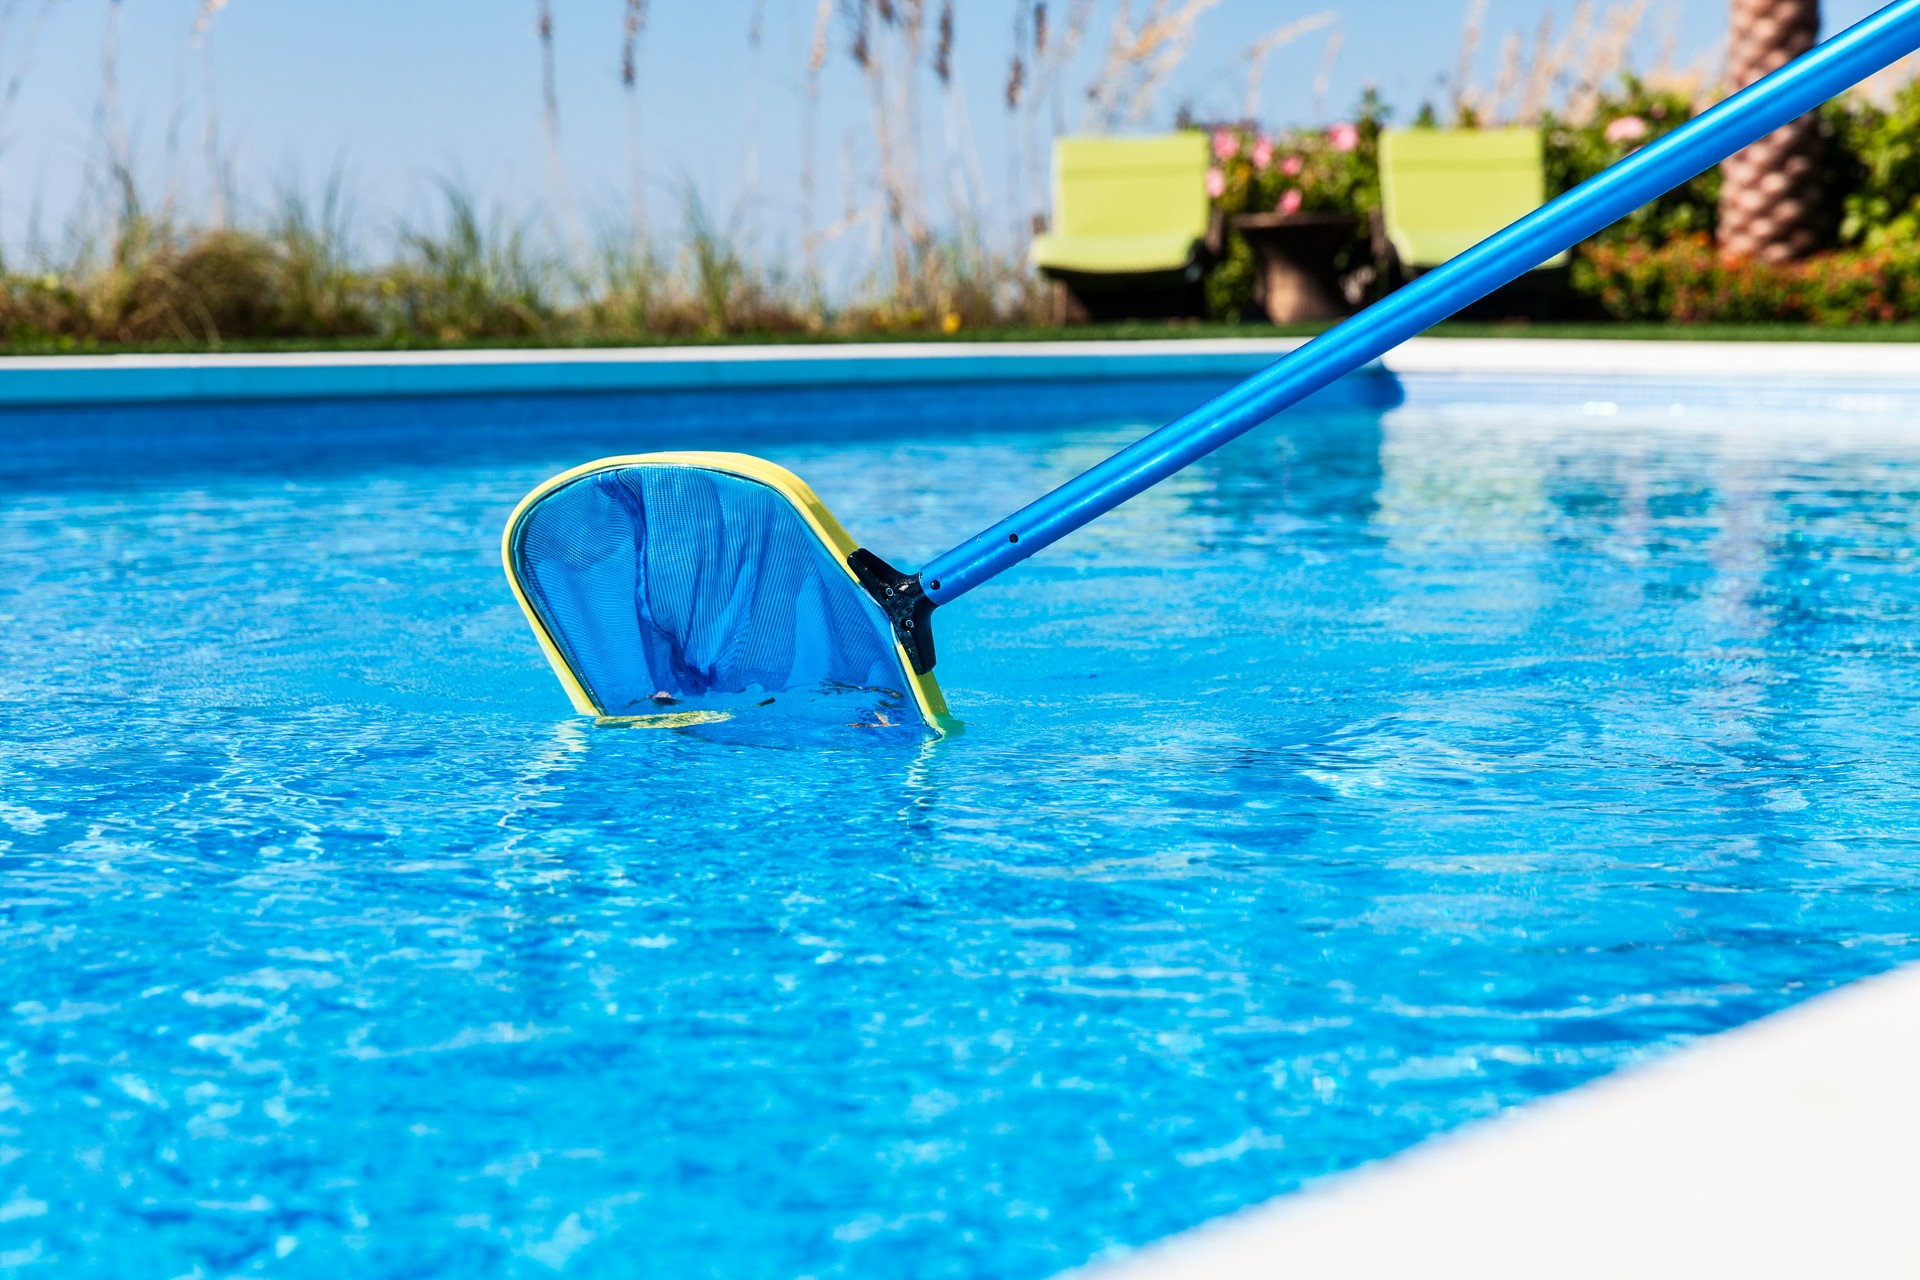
column 676, row 579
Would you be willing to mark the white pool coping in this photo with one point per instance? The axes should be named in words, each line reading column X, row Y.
column 1681, row 359
column 47, row 381
column 1788, row 1147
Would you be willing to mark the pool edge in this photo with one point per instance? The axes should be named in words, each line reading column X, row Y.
column 1781, row 1147
column 55, row 381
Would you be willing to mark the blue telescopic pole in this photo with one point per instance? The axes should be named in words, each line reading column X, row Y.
column 1803, row 84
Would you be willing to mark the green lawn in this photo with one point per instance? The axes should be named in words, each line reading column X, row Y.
column 1905, row 332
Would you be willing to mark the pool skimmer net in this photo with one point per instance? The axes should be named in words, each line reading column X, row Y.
column 671, row 589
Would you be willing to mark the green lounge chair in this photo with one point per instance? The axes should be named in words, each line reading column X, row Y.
column 1444, row 190
column 1133, row 229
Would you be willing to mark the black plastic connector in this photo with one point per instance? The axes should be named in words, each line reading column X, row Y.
column 905, row 603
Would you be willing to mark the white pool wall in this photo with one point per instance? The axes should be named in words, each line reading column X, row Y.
column 47, row 381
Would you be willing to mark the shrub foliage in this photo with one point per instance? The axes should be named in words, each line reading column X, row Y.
column 473, row 276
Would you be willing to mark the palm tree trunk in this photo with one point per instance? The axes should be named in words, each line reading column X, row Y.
column 1769, row 197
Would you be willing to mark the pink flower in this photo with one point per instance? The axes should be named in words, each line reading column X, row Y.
column 1289, row 202
column 1627, row 129
column 1263, row 154
column 1292, row 166
column 1216, row 183
column 1226, row 144
column 1343, row 136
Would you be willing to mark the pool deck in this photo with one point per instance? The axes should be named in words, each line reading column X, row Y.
column 1787, row 1147
column 47, row 381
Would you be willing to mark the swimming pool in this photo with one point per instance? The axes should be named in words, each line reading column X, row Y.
column 1404, row 762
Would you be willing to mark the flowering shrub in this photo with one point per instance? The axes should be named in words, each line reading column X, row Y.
column 1331, row 170
column 1869, row 179
column 1874, row 169
column 1622, row 122
column 1688, row 280
column 1661, row 264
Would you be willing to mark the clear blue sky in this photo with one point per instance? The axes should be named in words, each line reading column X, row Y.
column 403, row 94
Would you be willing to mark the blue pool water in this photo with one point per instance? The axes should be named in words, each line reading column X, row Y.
column 1395, row 766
